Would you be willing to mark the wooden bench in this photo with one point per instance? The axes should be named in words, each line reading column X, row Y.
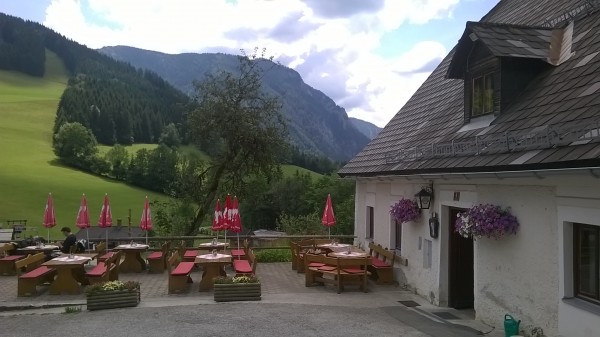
column 382, row 263
column 35, row 274
column 187, row 255
column 241, row 252
column 107, row 270
column 103, row 254
column 339, row 272
column 300, row 248
column 245, row 267
column 179, row 273
column 7, row 262
column 157, row 261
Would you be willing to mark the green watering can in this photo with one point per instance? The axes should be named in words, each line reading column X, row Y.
column 511, row 326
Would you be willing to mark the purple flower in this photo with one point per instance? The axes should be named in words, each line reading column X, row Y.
column 486, row 220
column 405, row 210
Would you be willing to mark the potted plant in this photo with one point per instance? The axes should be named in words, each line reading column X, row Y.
column 237, row 288
column 487, row 220
column 113, row 294
column 405, row 210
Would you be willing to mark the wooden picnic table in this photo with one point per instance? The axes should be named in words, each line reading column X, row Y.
column 213, row 266
column 69, row 274
column 133, row 262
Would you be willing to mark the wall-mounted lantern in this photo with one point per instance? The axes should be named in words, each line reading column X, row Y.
column 425, row 196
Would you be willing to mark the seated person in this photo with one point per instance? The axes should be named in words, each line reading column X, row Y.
column 70, row 240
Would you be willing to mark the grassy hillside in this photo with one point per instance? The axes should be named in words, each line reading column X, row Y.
column 29, row 170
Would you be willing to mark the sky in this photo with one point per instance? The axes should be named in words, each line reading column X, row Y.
column 369, row 56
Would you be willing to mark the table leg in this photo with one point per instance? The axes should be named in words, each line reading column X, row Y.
column 132, row 263
column 211, row 270
column 64, row 283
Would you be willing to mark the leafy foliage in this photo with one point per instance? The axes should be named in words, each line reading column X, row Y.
column 112, row 286
column 75, row 145
column 273, row 255
column 244, row 127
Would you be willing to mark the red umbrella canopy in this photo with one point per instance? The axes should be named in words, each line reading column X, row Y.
column 49, row 215
column 146, row 221
column 83, row 216
column 236, row 221
column 227, row 213
column 217, row 224
column 328, row 218
column 105, row 215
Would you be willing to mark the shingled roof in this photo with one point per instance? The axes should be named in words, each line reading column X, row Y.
column 553, row 123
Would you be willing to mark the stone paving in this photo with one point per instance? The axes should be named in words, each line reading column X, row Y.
column 280, row 284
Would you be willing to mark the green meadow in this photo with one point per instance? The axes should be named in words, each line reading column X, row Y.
column 29, row 169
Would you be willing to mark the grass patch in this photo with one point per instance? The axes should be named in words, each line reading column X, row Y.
column 273, row 255
column 30, row 170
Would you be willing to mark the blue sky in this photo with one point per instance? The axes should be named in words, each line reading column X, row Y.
column 369, row 56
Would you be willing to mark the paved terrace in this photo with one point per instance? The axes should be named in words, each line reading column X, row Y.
column 280, row 285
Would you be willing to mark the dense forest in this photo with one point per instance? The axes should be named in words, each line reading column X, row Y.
column 119, row 103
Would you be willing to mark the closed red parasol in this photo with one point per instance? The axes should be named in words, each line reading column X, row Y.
column 146, row 220
column 227, row 215
column 49, row 215
column 105, row 220
column 328, row 218
column 83, row 218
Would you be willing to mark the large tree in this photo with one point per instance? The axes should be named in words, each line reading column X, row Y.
column 244, row 127
column 75, row 145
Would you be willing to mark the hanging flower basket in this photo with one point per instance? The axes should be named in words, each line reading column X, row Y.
column 486, row 220
column 405, row 210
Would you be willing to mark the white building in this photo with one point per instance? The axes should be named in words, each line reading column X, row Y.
column 510, row 117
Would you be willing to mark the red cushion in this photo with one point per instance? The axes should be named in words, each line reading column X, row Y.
column 183, row 268
column 354, row 270
column 39, row 271
column 106, row 256
column 238, row 252
column 155, row 256
column 12, row 258
column 190, row 253
column 327, row 268
column 242, row 266
column 98, row 270
column 316, row 264
column 378, row 263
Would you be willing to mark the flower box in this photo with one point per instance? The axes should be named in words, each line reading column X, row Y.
column 114, row 294
column 242, row 288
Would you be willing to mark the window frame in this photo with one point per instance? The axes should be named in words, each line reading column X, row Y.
column 484, row 77
column 577, row 266
column 370, row 222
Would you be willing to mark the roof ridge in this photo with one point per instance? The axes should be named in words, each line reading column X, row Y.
column 510, row 25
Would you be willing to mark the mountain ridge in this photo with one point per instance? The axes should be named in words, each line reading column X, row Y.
column 316, row 123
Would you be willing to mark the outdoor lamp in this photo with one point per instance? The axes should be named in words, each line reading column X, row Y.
column 425, row 196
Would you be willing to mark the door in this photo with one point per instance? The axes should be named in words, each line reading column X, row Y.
column 460, row 263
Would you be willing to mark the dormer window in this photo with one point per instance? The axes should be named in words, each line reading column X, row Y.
column 483, row 95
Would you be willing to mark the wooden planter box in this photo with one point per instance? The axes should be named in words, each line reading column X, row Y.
column 113, row 299
column 237, row 292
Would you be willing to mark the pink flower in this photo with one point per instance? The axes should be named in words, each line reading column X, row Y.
column 486, row 220
column 405, row 210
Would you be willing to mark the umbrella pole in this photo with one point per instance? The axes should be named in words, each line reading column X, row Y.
column 48, row 235
column 106, row 230
column 87, row 231
column 238, row 237
column 146, row 238
column 329, row 233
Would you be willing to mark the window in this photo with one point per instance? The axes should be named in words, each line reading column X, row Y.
column 483, row 95
column 398, row 227
column 370, row 221
column 586, row 253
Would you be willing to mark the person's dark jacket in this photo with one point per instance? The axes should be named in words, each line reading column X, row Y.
column 70, row 240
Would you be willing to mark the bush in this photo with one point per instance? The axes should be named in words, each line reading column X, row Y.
column 273, row 255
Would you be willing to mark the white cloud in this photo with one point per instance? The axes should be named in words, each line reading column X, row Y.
column 332, row 41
